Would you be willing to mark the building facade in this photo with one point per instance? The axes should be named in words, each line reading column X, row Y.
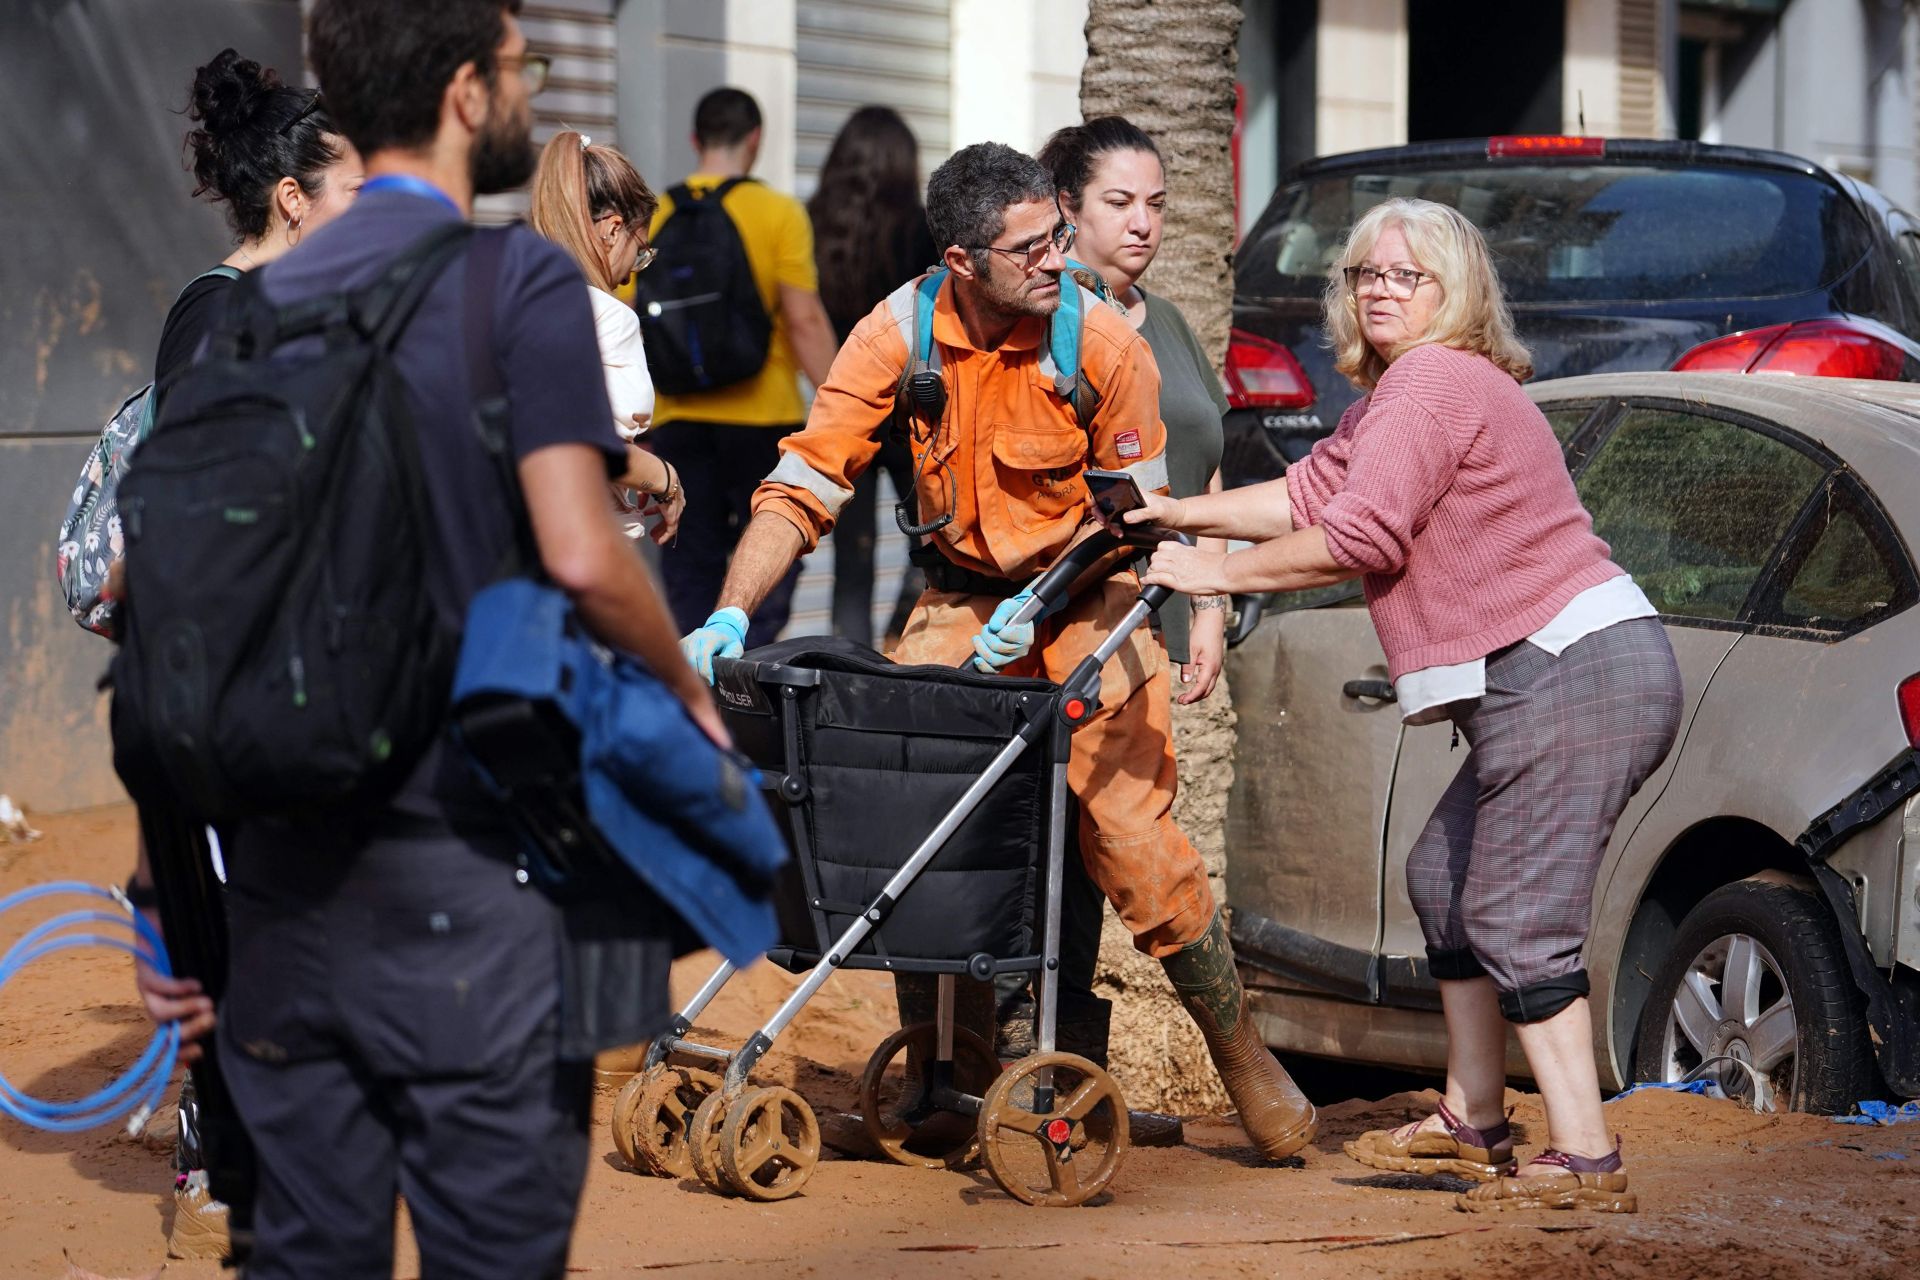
column 1831, row 80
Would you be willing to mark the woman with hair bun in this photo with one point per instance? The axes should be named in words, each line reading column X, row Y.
column 593, row 203
column 268, row 152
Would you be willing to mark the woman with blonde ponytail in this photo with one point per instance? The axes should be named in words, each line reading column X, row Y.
column 593, row 203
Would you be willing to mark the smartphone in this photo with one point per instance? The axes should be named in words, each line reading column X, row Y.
column 1114, row 493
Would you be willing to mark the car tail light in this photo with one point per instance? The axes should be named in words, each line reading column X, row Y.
column 1264, row 375
column 1820, row 348
column 1910, row 709
column 1544, row 144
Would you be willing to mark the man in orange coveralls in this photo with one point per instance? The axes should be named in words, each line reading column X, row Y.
column 1005, row 463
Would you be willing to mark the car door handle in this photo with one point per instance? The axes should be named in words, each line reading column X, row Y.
column 1378, row 690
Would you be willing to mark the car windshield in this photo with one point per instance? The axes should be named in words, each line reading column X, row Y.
column 1585, row 233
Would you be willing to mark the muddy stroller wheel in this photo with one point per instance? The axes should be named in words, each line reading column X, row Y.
column 901, row 1117
column 621, row 1126
column 1065, row 1153
column 703, row 1142
column 658, row 1123
column 769, row 1144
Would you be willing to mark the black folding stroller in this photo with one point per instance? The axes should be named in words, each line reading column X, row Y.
column 928, row 813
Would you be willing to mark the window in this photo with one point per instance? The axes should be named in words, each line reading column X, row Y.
column 1849, row 578
column 1566, row 419
column 1563, row 233
column 1694, row 507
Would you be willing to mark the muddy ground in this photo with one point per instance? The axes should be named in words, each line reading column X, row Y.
column 1723, row 1193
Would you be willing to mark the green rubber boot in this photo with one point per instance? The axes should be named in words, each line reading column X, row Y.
column 1273, row 1111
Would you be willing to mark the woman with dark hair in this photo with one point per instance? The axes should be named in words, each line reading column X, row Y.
column 593, row 203
column 869, row 236
column 269, row 153
column 1113, row 188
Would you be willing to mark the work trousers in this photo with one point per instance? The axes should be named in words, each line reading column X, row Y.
column 391, row 1028
column 1502, row 875
column 720, row 465
column 1121, row 769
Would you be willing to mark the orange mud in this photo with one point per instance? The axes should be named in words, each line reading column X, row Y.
column 1723, row 1193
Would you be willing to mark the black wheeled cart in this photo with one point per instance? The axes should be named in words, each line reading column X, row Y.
column 928, row 812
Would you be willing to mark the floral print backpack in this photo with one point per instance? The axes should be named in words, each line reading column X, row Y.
column 90, row 537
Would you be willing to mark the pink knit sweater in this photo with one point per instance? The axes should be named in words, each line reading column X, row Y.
column 1446, row 487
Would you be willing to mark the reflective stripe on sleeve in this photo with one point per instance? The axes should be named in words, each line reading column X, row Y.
column 1149, row 473
column 793, row 470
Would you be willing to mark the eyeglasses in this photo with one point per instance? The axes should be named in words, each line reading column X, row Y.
column 535, row 68
column 1031, row 254
column 1401, row 281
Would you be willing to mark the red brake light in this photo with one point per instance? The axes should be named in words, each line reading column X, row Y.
column 1544, row 144
column 1910, row 709
column 1264, row 375
column 1819, row 348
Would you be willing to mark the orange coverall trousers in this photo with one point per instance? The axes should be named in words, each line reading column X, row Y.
column 1122, row 769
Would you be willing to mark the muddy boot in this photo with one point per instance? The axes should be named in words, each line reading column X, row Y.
column 917, row 996
column 1273, row 1111
column 1085, row 1028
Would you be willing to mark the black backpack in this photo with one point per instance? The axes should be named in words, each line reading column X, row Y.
column 701, row 316
column 280, row 652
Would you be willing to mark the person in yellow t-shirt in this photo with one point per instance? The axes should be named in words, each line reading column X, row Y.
column 724, row 442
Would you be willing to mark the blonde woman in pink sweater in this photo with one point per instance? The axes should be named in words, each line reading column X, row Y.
column 1444, row 490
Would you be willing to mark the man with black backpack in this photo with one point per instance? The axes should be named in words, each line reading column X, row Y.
column 731, row 314
column 324, row 496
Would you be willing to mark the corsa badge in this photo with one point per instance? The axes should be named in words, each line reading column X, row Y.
column 1127, row 444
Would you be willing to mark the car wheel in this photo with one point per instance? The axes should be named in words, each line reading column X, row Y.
column 1757, row 974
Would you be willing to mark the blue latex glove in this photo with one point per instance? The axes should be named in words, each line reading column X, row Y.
column 723, row 636
column 1002, row 641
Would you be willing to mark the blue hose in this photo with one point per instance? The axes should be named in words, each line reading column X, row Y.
column 139, row 1089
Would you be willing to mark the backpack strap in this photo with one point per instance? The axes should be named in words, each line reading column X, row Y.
column 1060, row 358
column 492, row 420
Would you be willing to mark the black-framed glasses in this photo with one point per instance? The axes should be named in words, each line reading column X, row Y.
column 1401, row 281
column 535, row 68
column 1031, row 254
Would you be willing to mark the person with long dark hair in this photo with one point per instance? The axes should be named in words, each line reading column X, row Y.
column 869, row 235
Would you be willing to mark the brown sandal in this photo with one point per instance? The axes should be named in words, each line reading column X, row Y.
column 1599, row 1185
column 1480, row 1154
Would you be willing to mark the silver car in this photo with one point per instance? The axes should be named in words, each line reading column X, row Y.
column 1757, row 916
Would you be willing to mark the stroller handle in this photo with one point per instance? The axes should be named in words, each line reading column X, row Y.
column 1052, row 587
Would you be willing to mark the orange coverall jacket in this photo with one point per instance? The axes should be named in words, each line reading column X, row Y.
column 1017, row 452
column 1015, row 447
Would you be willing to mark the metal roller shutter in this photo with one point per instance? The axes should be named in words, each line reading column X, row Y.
column 851, row 53
column 580, row 95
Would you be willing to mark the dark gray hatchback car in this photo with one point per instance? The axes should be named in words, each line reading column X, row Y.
column 1615, row 254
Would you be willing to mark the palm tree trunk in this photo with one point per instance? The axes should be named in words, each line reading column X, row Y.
column 1169, row 68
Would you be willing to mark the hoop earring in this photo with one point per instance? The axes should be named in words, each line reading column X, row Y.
column 293, row 229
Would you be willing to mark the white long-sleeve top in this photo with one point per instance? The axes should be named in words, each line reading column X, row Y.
column 629, row 385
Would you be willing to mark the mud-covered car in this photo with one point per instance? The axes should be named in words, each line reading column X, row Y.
column 1757, row 915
